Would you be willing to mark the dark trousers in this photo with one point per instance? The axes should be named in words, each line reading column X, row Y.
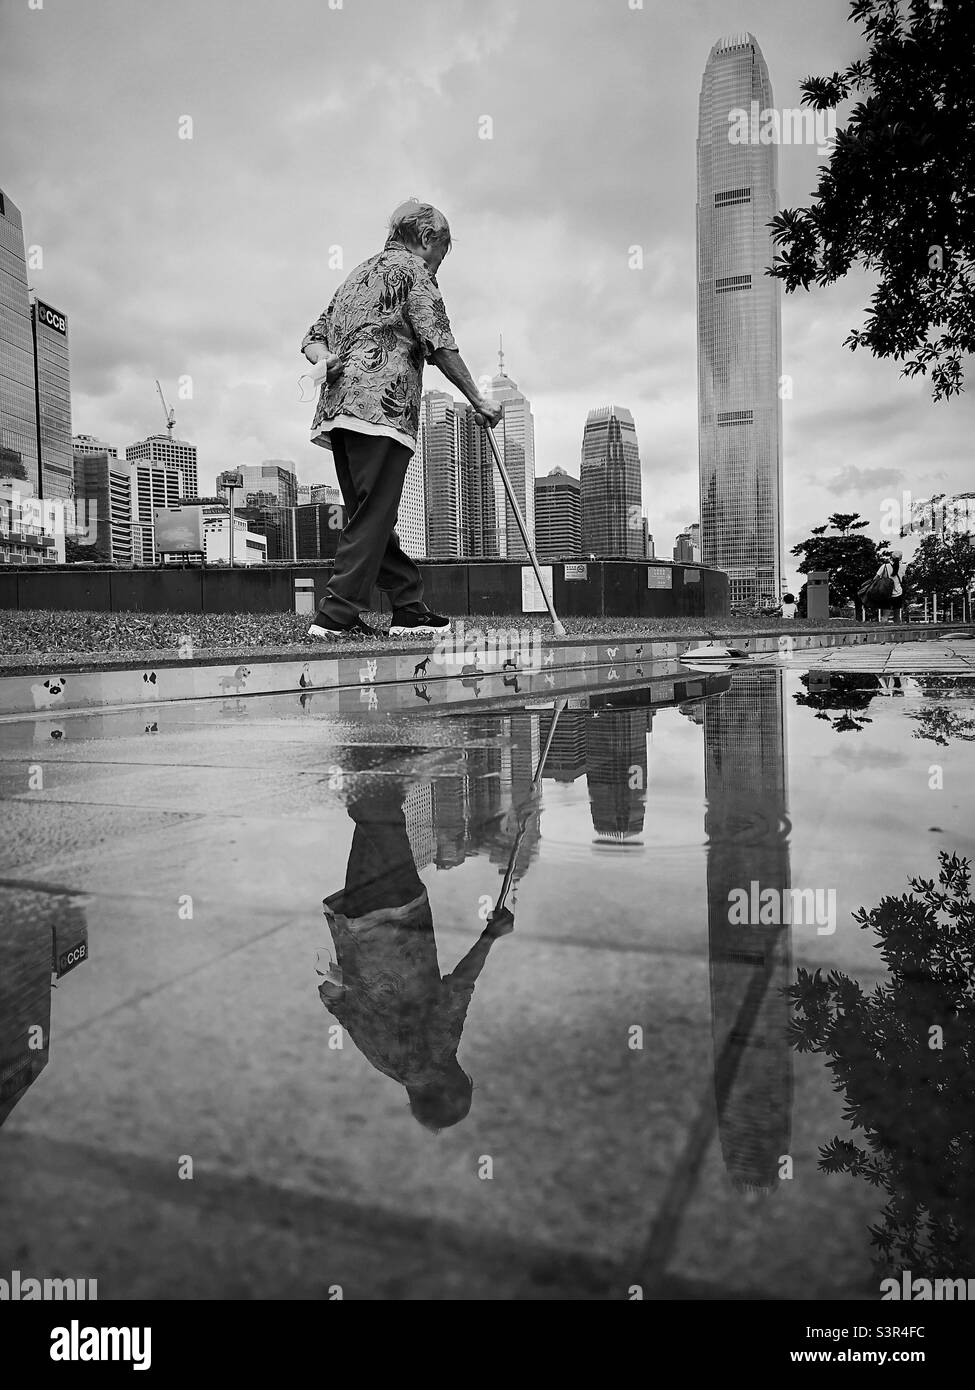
column 371, row 470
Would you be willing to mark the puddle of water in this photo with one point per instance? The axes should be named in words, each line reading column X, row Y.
column 543, row 1019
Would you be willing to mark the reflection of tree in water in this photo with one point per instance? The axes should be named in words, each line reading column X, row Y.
column 912, row 1098
column 847, row 693
column 940, row 723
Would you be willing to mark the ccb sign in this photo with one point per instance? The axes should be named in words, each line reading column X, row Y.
column 51, row 317
column 67, row 960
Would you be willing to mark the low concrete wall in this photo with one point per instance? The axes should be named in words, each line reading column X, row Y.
column 459, row 588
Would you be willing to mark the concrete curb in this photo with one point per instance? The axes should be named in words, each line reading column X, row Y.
column 535, row 669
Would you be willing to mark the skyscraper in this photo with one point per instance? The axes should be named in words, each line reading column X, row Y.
column 153, row 485
column 103, row 499
column 483, row 513
column 437, row 445
column 515, row 433
column 738, row 327
column 687, row 546
column 612, row 521
column 52, row 385
column 18, row 405
column 268, row 484
column 161, row 451
column 411, row 523
column 557, row 516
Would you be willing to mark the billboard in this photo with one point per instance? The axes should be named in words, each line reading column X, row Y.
column 179, row 530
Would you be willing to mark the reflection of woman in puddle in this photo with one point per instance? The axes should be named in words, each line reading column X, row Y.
column 384, row 986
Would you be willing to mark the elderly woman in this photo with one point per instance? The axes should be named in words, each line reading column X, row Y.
column 383, row 323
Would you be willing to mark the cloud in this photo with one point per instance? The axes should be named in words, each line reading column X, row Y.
column 854, row 479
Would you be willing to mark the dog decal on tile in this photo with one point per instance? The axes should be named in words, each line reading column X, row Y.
column 49, row 692
column 236, row 682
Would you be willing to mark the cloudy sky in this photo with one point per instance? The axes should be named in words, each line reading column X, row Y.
column 207, row 258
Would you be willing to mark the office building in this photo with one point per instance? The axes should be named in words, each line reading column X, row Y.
column 611, row 486
column 32, row 529
column 268, row 484
column 52, row 385
column 411, row 523
column 649, row 551
column 558, row 516
column 162, row 451
column 103, row 499
column 82, row 444
column 18, row 401
column 249, row 547
column 483, row 511
column 515, row 434
column 278, row 526
column 317, row 528
column 687, row 546
column 152, row 485
column 437, row 445
column 738, row 329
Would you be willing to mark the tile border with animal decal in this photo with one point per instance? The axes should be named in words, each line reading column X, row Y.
column 53, row 690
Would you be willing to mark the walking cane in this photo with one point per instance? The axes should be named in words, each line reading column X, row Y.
column 559, row 629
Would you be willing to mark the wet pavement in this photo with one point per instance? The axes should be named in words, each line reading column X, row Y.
column 525, row 1050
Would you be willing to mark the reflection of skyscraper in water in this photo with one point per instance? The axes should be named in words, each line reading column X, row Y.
column 747, row 833
column 477, row 812
column 616, row 772
column 567, row 756
column 39, row 935
column 523, row 749
column 418, row 810
column 451, row 820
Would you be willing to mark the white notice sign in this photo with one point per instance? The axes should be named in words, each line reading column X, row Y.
column 532, row 598
column 660, row 577
column 576, row 571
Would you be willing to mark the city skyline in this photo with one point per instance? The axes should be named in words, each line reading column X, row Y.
column 154, row 290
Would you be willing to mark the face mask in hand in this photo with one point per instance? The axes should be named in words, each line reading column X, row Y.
column 309, row 383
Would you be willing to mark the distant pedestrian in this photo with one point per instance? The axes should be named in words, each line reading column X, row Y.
column 383, row 322
column 884, row 591
column 789, row 606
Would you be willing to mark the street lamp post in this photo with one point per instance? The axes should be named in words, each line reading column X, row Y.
column 228, row 482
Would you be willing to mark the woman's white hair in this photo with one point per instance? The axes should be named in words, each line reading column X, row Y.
column 411, row 219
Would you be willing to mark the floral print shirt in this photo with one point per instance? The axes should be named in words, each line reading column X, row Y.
column 384, row 321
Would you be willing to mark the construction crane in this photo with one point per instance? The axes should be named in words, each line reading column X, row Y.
column 170, row 414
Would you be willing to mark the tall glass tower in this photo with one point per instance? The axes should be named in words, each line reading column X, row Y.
column 52, row 380
column 612, row 517
column 739, row 339
column 516, row 437
column 18, row 403
column 437, row 447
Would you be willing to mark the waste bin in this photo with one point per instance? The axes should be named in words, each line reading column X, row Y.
column 817, row 596
column 304, row 596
